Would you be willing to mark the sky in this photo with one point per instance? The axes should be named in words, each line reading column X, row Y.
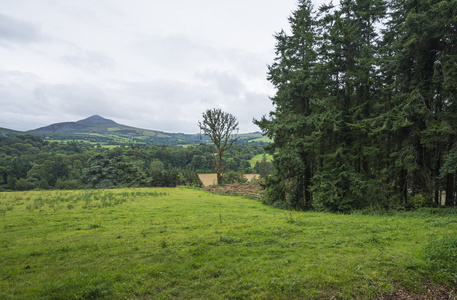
column 145, row 63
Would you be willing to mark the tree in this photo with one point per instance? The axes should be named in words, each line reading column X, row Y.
column 220, row 127
column 291, row 127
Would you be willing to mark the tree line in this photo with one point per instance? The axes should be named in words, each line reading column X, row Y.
column 29, row 162
column 365, row 109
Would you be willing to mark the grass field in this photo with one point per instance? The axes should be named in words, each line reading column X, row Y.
column 188, row 244
column 258, row 158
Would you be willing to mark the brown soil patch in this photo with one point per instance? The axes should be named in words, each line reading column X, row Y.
column 253, row 190
column 434, row 292
column 211, row 179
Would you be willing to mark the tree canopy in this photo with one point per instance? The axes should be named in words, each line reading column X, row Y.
column 28, row 162
column 365, row 107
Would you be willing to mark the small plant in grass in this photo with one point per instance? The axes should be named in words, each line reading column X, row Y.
column 163, row 243
column 93, row 226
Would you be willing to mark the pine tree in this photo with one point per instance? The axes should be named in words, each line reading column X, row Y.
column 293, row 75
column 366, row 105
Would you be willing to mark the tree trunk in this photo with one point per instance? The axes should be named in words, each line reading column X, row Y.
column 449, row 189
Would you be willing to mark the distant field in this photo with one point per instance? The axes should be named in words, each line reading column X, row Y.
column 262, row 139
column 211, row 179
column 179, row 243
column 258, row 158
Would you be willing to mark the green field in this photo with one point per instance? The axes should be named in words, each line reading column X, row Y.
column 188, row 244
column 258, row 158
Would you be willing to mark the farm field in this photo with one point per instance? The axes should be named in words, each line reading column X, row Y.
column 161, row 243
column 258, row 158
column 211, row 179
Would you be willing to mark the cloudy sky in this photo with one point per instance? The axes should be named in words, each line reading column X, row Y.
column 145, row 63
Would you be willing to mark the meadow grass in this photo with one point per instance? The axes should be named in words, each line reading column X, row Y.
column 258, row 158
column 183, row 243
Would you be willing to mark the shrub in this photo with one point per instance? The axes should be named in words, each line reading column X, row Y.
column 232, row 177
column 421, row 200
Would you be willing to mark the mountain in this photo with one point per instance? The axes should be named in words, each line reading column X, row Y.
column 97, row 129
column 4, row 132
column 58, row 127
column 105, row 131
column 92, row 124
column 96, row 120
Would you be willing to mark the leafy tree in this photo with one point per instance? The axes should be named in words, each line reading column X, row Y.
column 234, row 177
column 220, row 127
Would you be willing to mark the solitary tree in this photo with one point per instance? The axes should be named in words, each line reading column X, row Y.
column 220, row 127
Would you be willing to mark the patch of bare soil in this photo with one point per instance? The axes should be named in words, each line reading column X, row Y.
column 211, row 179
column 251, row 189
column 434, row 292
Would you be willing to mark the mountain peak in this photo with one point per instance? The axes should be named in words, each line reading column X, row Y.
column 95, row 120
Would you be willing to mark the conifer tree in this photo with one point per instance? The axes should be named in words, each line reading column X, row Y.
column 293, row 75
column 365, row 109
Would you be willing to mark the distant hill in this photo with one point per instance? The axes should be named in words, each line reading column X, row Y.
column 8, row 132
column 96, row 129
column 93, row 124
column 96, row 120
column 105, row 131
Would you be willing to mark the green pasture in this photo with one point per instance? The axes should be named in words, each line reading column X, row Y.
column 258, row 158
column 162, row 243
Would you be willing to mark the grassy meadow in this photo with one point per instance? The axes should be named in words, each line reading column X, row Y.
column 258, row 158
column 183, row 243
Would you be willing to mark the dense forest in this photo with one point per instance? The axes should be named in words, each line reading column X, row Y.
column 366, row 106
column 29, row 162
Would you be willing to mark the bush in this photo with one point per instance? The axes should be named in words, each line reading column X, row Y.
column 421, row 200
column 22, row 185
column 232, row 177
column 441, row 256
column 68, row 184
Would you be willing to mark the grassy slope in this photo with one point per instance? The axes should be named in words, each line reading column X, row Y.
column 258, row 158
column 162, row 243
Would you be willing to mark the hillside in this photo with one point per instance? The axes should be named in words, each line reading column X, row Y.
column 100, row 130
column 96, row 129
column 4, row 132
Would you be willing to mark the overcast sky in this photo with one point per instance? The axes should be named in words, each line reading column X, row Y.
column 145, row 63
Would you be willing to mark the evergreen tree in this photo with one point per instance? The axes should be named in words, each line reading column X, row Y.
column 290, row 125
column 364, row 116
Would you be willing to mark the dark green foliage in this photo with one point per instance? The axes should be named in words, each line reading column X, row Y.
column 174, row 177
column 364, row 117
column 233, row 177
column 263, row 168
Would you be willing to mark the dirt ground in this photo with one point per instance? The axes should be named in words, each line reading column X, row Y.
column 434, row 292
column 252, row 190
column 210, row 179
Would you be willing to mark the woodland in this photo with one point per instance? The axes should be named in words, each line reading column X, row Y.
column 366, row 106
column 28, row 162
